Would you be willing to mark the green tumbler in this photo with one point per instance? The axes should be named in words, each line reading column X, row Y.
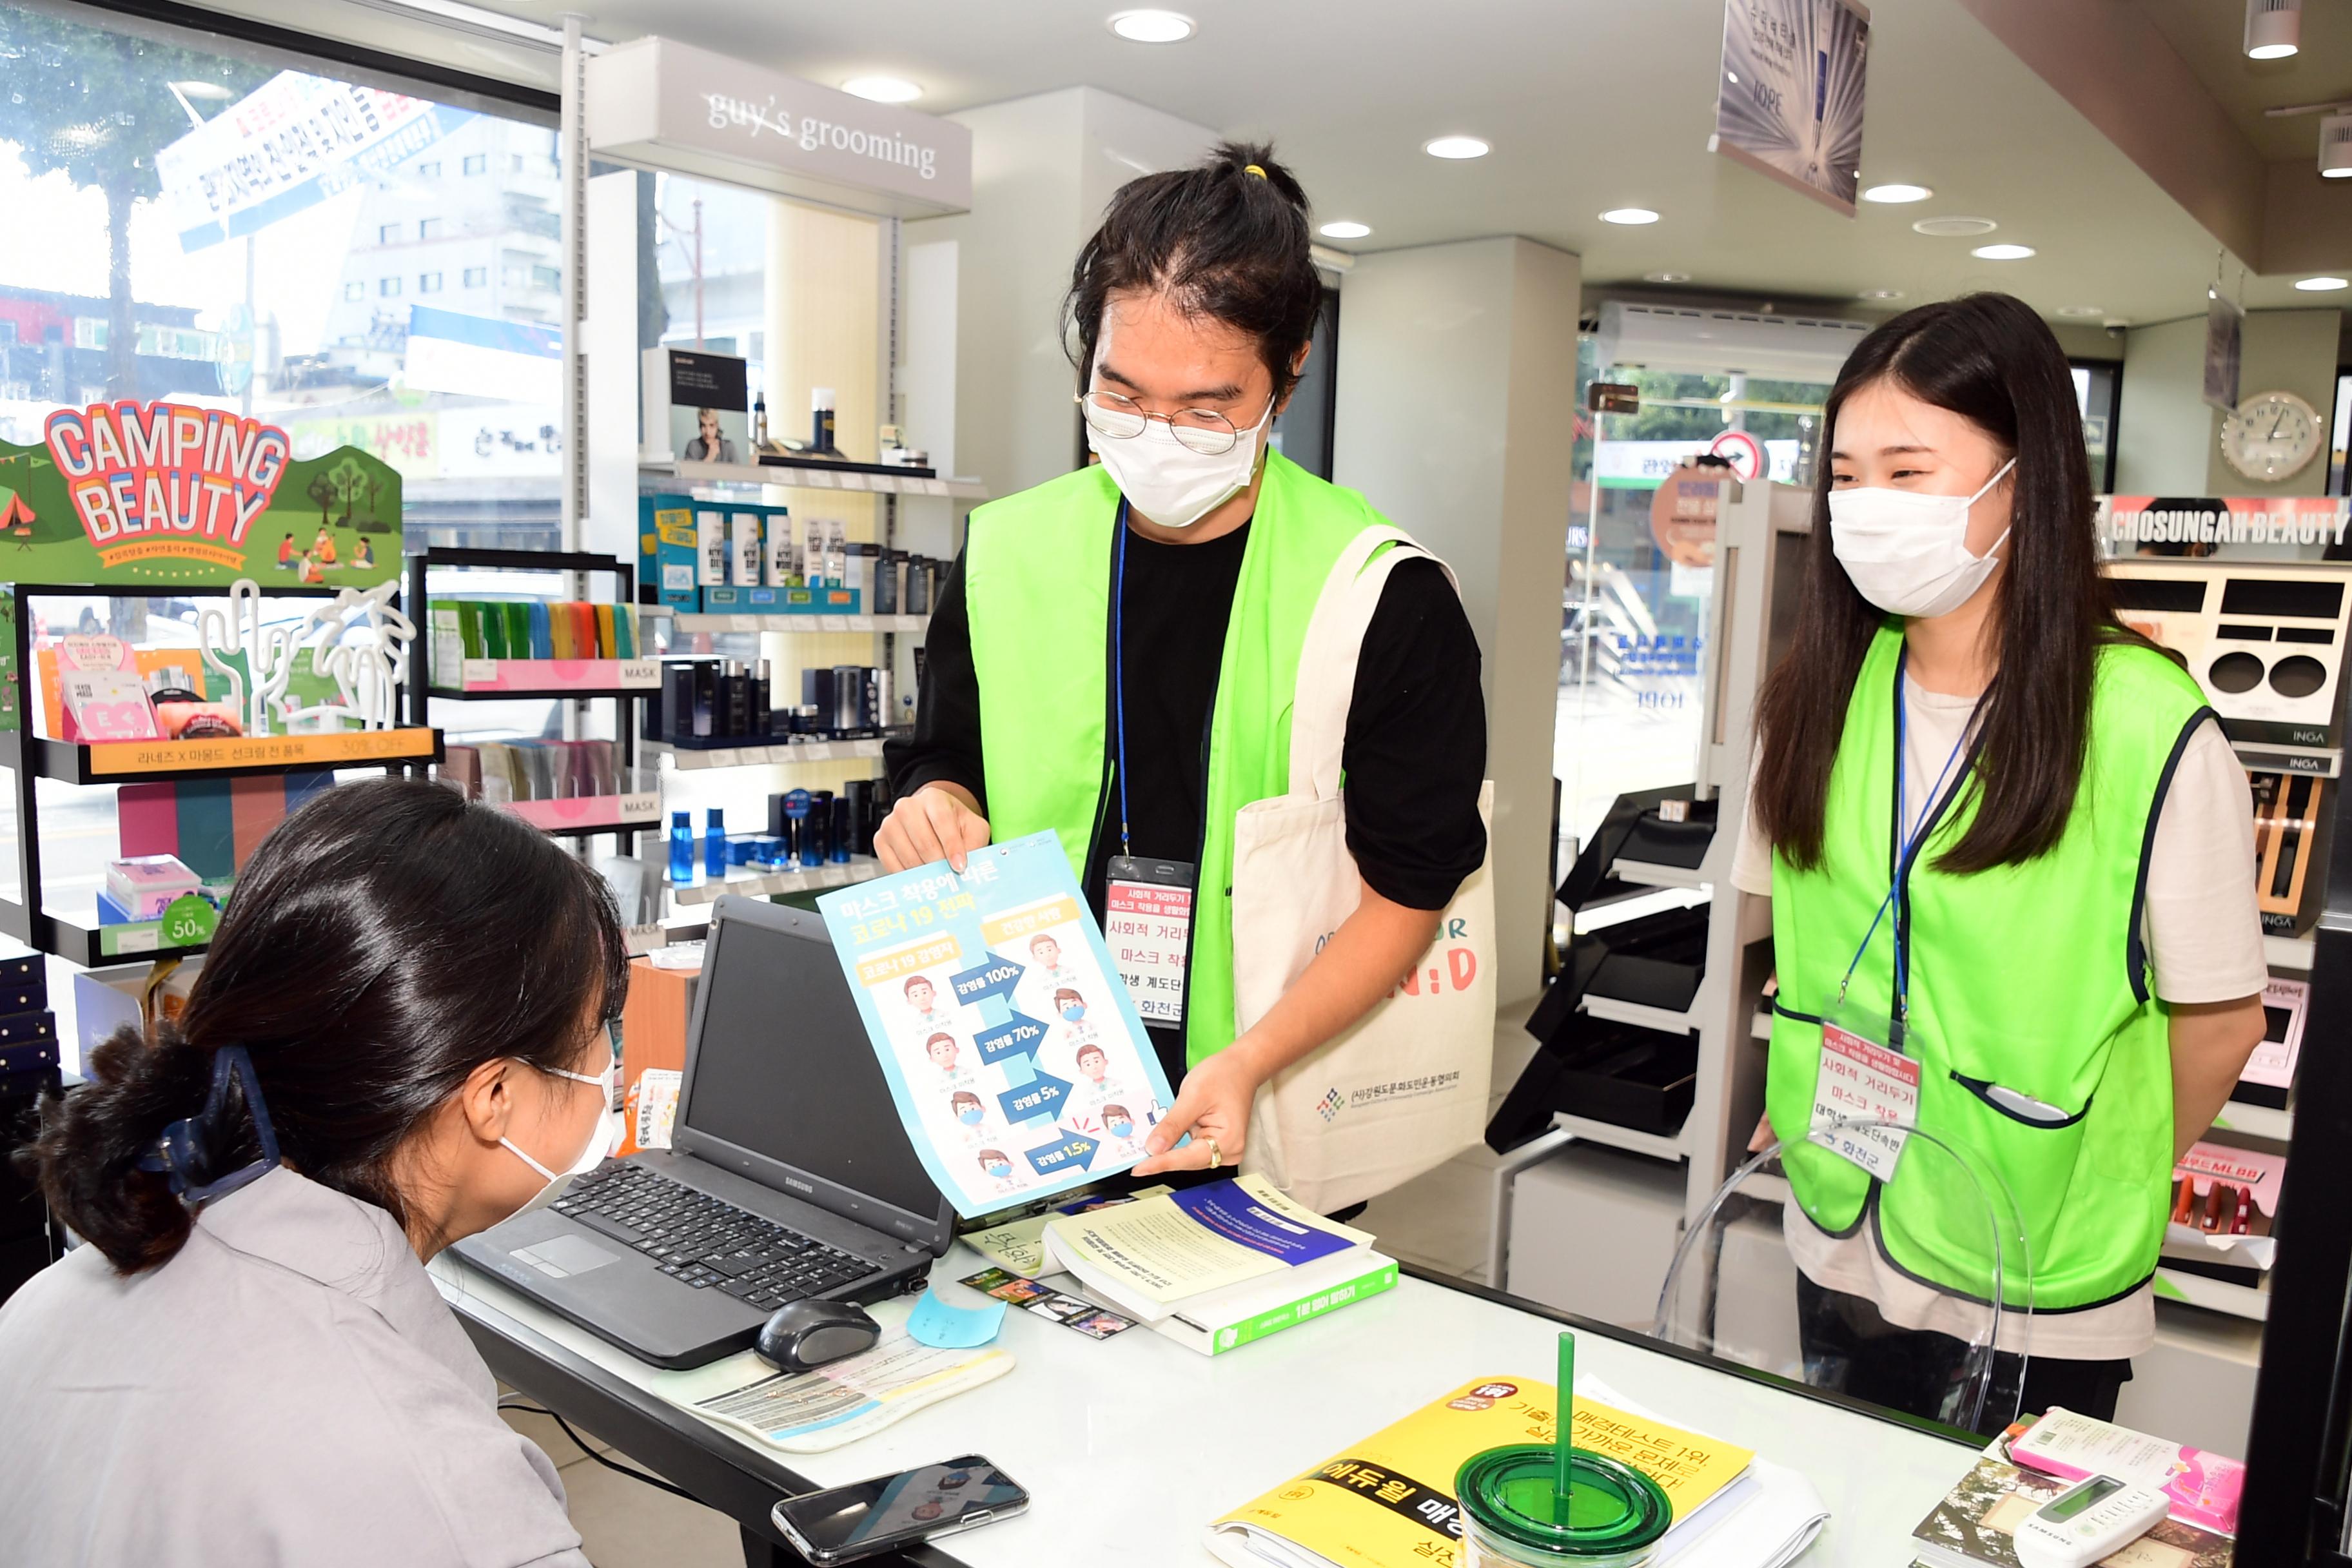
column 1614, row 1516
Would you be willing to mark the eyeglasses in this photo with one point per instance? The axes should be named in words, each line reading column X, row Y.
column 1201, row 430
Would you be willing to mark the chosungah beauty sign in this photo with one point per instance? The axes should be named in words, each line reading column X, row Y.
column 175, row 494
column 2200, row 525
column 660, row 103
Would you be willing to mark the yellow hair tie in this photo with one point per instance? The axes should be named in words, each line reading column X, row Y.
column 1253, row 169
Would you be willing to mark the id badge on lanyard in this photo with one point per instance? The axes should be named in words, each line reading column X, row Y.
column 1148, row 926
column 1146, row 903
column 1862, row 1077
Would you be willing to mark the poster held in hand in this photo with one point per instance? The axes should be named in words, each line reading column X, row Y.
column 1013, row 1051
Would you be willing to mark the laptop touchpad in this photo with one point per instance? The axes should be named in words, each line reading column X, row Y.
column 560, row 1257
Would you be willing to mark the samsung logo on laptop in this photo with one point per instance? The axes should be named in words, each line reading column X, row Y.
column 800, row 1186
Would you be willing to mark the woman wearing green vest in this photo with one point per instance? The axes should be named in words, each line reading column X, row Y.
column 1114, row 653
column 2005, row 837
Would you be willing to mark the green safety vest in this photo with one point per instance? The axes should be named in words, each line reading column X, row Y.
column 1037, row 573
column 2030, row 977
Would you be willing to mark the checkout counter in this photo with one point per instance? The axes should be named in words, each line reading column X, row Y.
column 1131, row 1445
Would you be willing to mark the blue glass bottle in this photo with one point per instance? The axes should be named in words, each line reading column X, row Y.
column 681, row 847
column 714, row 845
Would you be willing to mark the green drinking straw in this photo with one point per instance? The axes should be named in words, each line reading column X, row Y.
column 1563, row 1484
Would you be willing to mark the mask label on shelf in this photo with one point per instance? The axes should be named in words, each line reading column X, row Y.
column 1861, row 1080
column 1147, row 924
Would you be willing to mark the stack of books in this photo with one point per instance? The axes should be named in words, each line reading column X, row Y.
column 1215, row 1266
column 1973, row 1527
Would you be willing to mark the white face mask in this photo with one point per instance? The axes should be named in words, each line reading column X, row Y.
column 599, row 1143
column 1908, row 553
column 1168, row 482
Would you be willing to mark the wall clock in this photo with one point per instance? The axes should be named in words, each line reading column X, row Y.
column 2270, row 436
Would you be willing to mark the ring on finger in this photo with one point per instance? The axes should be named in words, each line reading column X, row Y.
column 1216, row 1154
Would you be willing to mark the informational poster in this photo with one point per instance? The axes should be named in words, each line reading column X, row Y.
column 176, row 496
column 1013, row 1052
column 1790, row 99
column 2225, row 338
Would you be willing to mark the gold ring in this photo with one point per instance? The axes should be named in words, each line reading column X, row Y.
column 1216, row 1155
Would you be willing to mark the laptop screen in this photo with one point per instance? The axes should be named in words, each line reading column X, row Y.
column 783, row 1068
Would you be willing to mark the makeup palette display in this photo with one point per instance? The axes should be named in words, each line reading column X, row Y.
column 2289, row 824
column 2265, row 638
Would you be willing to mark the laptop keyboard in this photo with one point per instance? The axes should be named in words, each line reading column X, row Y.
column 706, row 1243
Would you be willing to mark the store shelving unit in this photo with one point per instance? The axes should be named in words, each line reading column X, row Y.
column 30, row 758
column 623, row 683
column 811, row 474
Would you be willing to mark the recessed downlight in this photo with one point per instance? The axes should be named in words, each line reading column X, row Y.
column 2082, row 309
column 1665, row 277
column 2319, row 285
column 1953, row 227
column 1152, row 27
column 2001, row 252
column 882, row 88
column 1894, row 194
column 1456, row 147
column 1632, row 216
column 1345, row 229
column 1880, row 294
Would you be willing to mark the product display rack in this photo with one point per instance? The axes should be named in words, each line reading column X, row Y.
column 30, row 758
column 622, row 682
column 809, row 474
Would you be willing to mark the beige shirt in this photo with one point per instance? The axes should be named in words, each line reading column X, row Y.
column 289, row 1390
column 2204, row 936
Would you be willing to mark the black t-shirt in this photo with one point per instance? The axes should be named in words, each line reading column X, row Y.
column 1414, row 755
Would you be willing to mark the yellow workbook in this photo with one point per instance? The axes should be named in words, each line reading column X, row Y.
column 1388, row 1502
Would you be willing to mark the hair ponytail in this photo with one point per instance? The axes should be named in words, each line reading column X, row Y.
column 86, row 1157
column 1226, row 238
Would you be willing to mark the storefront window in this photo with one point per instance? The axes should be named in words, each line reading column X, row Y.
column 1633, row 626
column 143, row 258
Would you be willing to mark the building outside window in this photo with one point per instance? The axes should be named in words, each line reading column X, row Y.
column 388, row 286
column 387, row 233
column 428, row 228
column 354, row 289
column 478, row 277
column 477, row 162
column 429, row 169
column 429, row 283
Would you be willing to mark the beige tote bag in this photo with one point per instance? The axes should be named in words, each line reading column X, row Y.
column 1404, row 1090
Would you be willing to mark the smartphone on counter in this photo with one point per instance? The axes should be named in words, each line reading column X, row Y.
column 843, row 1524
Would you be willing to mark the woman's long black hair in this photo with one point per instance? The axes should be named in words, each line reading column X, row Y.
column 1989, row 359
column 386, row 941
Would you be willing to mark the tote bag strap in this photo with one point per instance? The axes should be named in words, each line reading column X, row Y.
column 1327, row 657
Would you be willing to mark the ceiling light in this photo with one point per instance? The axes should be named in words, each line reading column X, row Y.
column 204, row 91
column 2336, row 146
column 1344, row 229
column 1152, row 27
column 1896, row 194
column 1456, row 147
column 1629, row 216
column 2273, row 28
column 1880, row 294
column 1665, row 277
column 2001, row 252
column 2082, row 309
column 2319, row 285
column 882, row 88
column 1953, row 227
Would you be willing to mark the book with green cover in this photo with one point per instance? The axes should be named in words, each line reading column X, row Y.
column 494, row 632
column 1239, row 1320
column 517, row 618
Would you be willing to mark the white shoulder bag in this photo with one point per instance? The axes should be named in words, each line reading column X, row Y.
column 1403, row 1089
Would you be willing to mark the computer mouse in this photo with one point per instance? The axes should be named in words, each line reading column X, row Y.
column 804, row 1335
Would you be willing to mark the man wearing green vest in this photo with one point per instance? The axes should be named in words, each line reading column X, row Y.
column 2010, row 860
column 1114, row 655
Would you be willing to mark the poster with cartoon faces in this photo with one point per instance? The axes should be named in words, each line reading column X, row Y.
column 1013, row 1054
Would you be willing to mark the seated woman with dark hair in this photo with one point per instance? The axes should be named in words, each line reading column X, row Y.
column 399, row 1038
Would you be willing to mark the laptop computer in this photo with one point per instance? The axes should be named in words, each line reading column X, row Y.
column 789, row 1176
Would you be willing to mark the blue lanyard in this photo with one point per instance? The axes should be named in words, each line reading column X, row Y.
column 1119, row 666
column 1909, row 843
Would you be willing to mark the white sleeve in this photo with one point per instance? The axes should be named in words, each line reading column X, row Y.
column 1752, row 861
column 2203, row 928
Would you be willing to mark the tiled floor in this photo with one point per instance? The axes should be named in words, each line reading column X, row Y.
column 1440, row 1221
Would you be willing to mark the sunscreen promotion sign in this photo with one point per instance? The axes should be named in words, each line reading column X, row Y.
column 166, row 493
